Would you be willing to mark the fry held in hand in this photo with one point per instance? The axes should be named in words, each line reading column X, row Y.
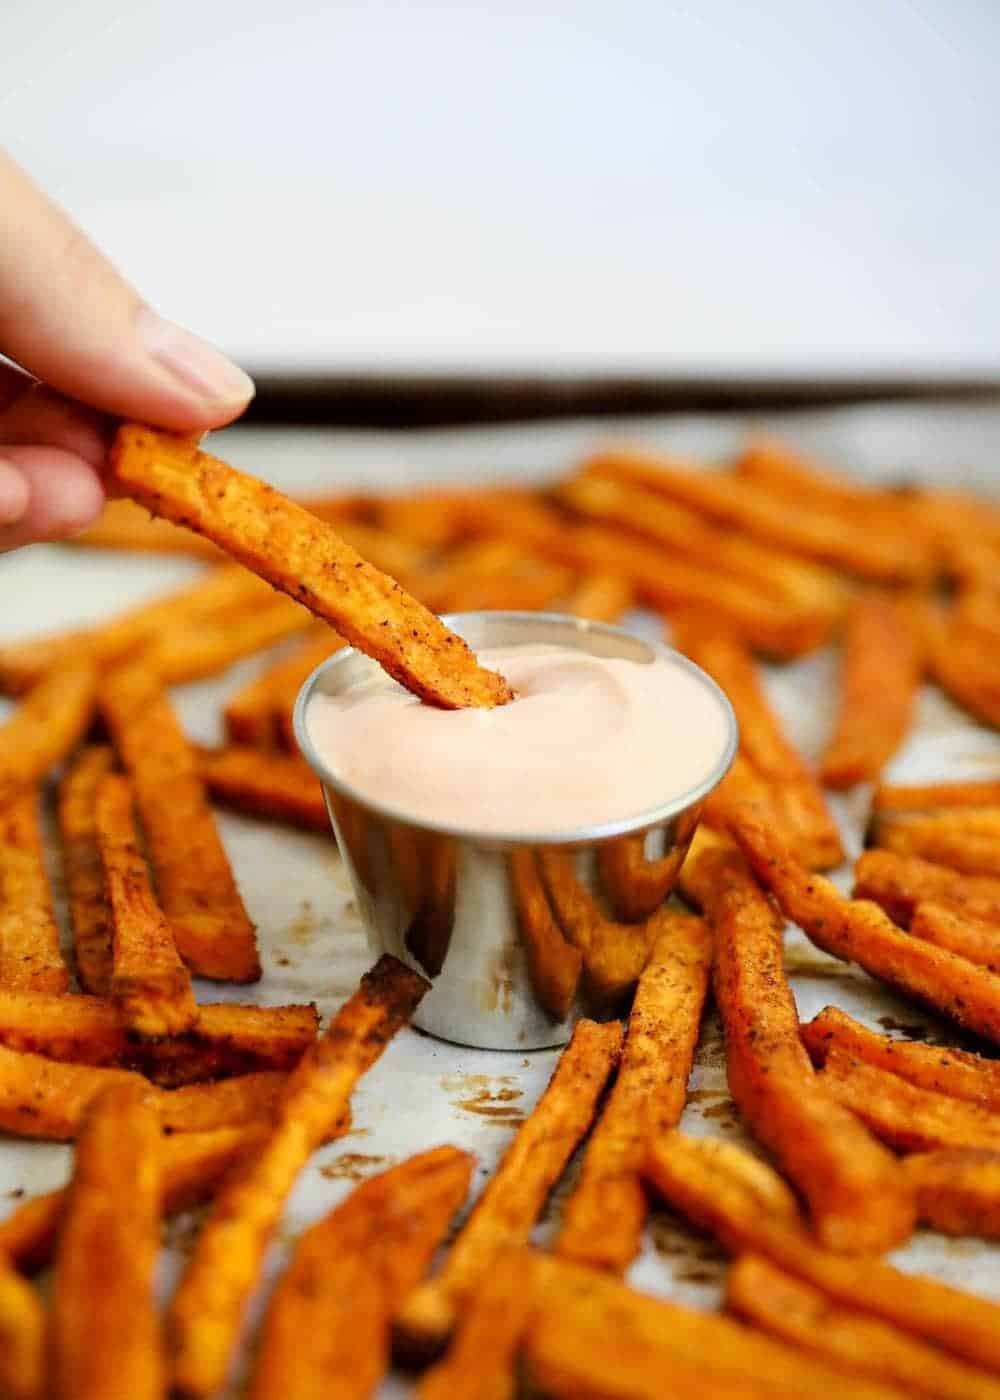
column 941, row 1069
column 45, row 726
column 194, row 880
column 207, row 1309
column 506, row 1211
column 305, row 558
column 858, row 1200
column 30, row 959
column 880, row 672
column 148, row 980
column 104, row 1332
column 327, row 1327
column 647, row 1099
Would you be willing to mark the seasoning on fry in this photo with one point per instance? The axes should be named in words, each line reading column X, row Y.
column 329, row 1317
column 194, row 880
column 975, row 939
column 89, row 911
column 148, row 980
column 506, row 1211
column 880, row 672
column 301, row 555
column 900, row 883
column 857, row 1198
column 207, row 1309
column 967, row 840
column 30, row 959
column 104, row 1333
column 46, row 726
column 647, row 1099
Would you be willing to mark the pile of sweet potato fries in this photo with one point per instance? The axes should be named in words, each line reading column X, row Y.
column 173, row 1102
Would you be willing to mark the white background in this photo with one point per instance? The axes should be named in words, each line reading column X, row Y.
column 790, row 187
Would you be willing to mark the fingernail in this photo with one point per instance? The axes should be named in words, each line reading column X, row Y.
column 197, row 365
column 14, row 494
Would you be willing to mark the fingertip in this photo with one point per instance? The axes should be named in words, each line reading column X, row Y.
column 14, row 493
column 63, row 495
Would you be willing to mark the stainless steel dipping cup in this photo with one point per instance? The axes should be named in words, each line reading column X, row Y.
column 473, row 913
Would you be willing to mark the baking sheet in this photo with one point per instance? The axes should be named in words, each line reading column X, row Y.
column 424, row 1093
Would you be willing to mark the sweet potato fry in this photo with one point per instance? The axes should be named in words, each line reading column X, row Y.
column 700, row 1184
column 481, row 1360
column 796, row 1312
column 217, row 592
column 280, row 787
column 744, row 784
column 957, row 1190
column 599, row 596
column 613, row 954
column 637, row 886
column 907, row 1118
column 857, row 1198
column 932, row 797
column 45, row 726
column 305, row 558
column 30, row 959
column 127, row 526
column 554, row 965
column 878, row 682
column 327, row 1327
column 190, row 654
column 775, row 463
column 794, row 791
column 505, row 1213
column 22, row 1337
column 228, row 1039
column 207, row 1309
column 42, row 1098
column 492, row 572
column 194, row 880
column 647, row 1099
column 965, row 670
column 104, row 1330
column 883, row 551
column 900, row 883
column 941, row 1069
column 975, row 939
column 592, row 1336
column 815, row 591
column 193, row 1165
column 251, row 716
column 89, row 911
column 965, row 840
column 432, row 519
column 858, row 931
column 148, row 980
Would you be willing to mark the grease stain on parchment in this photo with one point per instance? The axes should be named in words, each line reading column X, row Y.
column 355, row 1166
column 493, row 1097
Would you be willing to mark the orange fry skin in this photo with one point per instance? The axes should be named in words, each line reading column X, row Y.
column 900, row 883
column 858, row 931
column 89, row 910
column 207, row 1310
column 647, row 1099
column 104, row 1328
column 975, row 939
column 880, row 672
column 931, row 797
column 327, row 1326
column 45, row 726
column 148, row 980
column 194, row 880
column 506, row 1211
column 957, row 1190
column 967, row 839
column 30, row 959
column 277, row 786
column 251, row 715
column 943, row 1070
column 554, row 965
column 305, row 558
column 858, row 1200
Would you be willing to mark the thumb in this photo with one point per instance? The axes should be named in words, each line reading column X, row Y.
column 68, row 318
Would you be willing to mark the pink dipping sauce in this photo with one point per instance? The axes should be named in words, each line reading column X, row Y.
column 588, row 740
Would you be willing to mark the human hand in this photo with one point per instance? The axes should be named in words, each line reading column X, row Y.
column 90, row 350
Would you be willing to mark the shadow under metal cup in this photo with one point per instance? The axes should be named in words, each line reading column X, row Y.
column 474, row 913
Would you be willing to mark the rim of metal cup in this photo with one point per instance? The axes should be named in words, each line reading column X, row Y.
column 623, row 826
